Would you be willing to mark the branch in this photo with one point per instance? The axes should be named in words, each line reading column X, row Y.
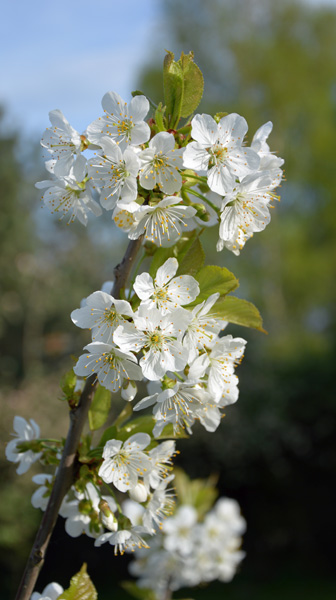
column 66, row 470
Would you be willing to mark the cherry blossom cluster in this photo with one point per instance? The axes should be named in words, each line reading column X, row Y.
column 190, row 369
column 188, row 551
column 146, row 177
column 164, row 329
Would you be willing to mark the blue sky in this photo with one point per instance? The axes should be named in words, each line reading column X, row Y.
column 66, row 54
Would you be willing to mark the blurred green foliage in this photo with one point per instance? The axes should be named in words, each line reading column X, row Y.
column 274, row 453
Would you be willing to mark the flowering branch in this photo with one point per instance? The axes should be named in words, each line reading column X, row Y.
column 66, row 471
column 168, row 333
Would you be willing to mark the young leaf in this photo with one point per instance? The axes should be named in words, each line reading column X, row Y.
column 173, row 87
column 241, row 312
column 214, row 279
column 139, row 425
column 124, row 415
column 159, row 117
column 183, row 86
column 193, row 84
column 168, row 433
column 111, row 433
column 192, row 258
column 81, row 587
column 136, row 592
column 160, row 257
column 100, row 408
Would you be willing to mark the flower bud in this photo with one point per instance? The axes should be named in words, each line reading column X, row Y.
column 107, row 517
column 138, row 493
column 85, row 507
column 129, row 390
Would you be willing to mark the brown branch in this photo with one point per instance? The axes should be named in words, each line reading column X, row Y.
column 66, row 470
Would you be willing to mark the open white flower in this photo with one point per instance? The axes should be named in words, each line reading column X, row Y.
column 227, row 352
column 40, row 497
column 25, row 432
column 180, row 405
column 110, row 364
column 178, row 530
column 160, row 164
column 114, row 172
column 163, row 223
column 50, row 592
column 70, row 194
column 102, row 314
column 166, row 293
column 158, row 335
column 246, row 210
column 62, row 141
column 202, row 329
column 127, row 538
column 159, row 506
column 124, row 463
column 123, row 124
column 268, row 160
column 218, row 150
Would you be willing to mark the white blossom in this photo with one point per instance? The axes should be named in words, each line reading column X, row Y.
column 218, row 150
column 70, row 195
column 160, row 164
column 246, row 210
column 124, row 539
column 161, row 224
column 40, row 497
column 203, row 327
column 179, row 405
column 110, row 364
column 114, row 173
column 102, row 314
column 226, row 353
column 124, row 463
column 51, row 592
column 268, row 160
column 24, row 432
column 166, row 292
column 158, row 335
column 122, row 123
column 62, row 141
column 178, row 530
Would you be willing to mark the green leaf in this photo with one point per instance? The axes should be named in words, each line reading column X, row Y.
column 136, row 592
column 173, row 87
column 68, row 383
column 111, row 433
column 160, row 257
column 200, row 493
column 159, row 117
column 192, row 257
column 124, row 415
column 241, row 312
column 143, row 424
column 183, row 86
column 81, row 587
column 100, row 408
column 168, row 433
column 193, row 84
column 214, row 279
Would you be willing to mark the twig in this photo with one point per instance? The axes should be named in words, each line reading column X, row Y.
column 66, row 470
